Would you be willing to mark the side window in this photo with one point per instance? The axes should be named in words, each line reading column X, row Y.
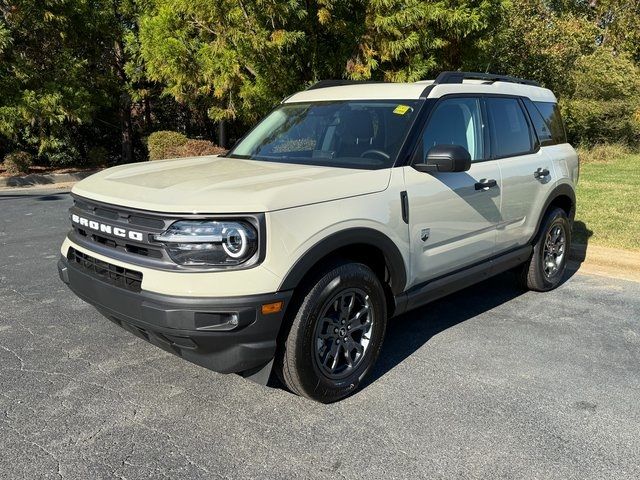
column 551, row 114
column 510, row 132
column 456, row 121
column 542, row 129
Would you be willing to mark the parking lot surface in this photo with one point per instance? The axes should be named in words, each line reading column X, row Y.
column 487, row 383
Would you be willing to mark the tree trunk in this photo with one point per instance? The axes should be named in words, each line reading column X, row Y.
column 222, row 134
column 147, row 113
column 126, row 128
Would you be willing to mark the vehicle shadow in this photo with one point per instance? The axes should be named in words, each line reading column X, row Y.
column 580, row 241
column 37, row 196
column 410, row 331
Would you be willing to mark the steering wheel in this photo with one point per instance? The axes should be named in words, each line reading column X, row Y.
column 377, row 152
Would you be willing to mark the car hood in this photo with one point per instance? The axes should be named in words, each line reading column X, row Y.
column 226, row 185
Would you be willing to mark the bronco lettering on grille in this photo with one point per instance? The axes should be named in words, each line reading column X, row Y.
column 108, row 229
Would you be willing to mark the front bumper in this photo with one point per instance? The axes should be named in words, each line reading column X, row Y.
column 188, row 326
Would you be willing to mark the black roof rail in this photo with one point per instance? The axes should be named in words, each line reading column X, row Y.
column 458, row 77
column 338, row 83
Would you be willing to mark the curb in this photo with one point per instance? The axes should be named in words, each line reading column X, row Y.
column 44, row 179
column 610, row 262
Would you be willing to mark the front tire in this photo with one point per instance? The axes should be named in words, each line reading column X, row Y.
column 546, row 267
column 336, row 334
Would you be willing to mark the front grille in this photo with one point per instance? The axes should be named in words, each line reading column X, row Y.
column 118, row 276
column 146, row 225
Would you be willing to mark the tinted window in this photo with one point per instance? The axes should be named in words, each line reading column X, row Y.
column 510, row 132
column 542, row 129
column 456, row 121
column 551, row 114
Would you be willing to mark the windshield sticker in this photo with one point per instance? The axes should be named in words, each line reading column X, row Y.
column 402, row 109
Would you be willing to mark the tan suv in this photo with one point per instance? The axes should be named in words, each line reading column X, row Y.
column 349, row 204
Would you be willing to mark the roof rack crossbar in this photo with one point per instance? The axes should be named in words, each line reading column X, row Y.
column 458, row 77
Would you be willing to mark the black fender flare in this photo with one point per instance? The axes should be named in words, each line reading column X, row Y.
column 344, row 238
column 564, row 189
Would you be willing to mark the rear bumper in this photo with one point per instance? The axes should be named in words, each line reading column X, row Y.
column 200, row 330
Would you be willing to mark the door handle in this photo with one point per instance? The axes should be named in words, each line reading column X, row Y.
column 540, row 173
column 486, row 184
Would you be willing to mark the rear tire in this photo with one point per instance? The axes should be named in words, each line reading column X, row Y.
column 546, row 267
column 335, row 335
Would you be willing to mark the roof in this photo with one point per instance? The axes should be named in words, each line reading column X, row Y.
column 415, row 91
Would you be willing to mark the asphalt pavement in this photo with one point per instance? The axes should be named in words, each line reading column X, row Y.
column 488, row 383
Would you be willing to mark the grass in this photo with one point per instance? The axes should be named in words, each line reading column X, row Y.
column 608, row 200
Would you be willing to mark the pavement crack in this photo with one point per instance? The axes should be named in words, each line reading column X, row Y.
column 70, row 377
column 181, row 452
column 40, row 447
column 15, row 355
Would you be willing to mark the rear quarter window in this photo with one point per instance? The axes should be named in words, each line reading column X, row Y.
column 540, row 125
column 510, row 132
column 551, row 114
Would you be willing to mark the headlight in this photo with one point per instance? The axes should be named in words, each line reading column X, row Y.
column 207, row 242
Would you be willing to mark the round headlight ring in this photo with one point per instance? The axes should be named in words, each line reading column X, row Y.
column 235, row 243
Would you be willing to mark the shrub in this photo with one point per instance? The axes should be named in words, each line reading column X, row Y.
column 198, row 148
column 604, row 105
column 594, row 122
column 97, row 157
column 163, row 143
column 17, row 163
column 63, row 155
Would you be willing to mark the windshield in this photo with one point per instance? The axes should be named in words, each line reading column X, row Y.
column 350, row 134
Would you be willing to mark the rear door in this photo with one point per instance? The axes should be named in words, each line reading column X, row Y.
column 527, row 172
column 453, row 216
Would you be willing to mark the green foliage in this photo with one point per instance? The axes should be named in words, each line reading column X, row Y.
column 97, row 157
column 539, row 41
column 406, row 40
column 237, row 59
column 50, row 73
column 17, row 163
column 604, row 104
column 162, row 144
column 81, row 76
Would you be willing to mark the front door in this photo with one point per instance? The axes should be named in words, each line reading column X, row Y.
column 453, row 216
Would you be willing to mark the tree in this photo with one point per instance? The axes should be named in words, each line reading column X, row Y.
column 408, row 40
column 604, row 105
column 51, row 81
column 541, row 41
column 237, row 59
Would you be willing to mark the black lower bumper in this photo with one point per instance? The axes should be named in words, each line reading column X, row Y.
column 227, row 335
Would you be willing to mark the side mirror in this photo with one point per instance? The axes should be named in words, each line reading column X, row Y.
column 445, row 158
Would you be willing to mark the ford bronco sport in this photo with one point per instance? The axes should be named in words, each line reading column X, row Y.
column 349, row 204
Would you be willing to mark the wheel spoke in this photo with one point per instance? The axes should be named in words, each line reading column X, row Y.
column 348, row 301
column 349, row 313
column 360, row 313
column 347, row 356
column 336, row 357
column 331, row 352
column 360, row 326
